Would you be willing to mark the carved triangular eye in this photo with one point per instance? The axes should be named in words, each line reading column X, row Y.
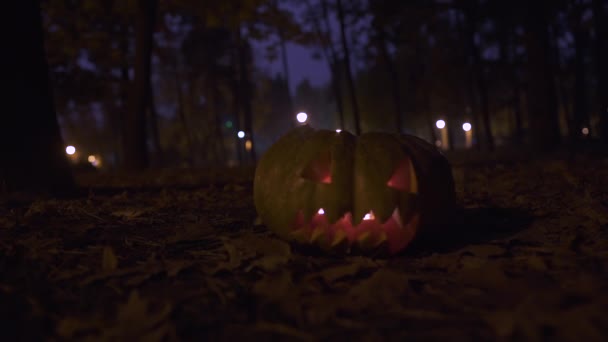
column 319, row 169
column 402, row 177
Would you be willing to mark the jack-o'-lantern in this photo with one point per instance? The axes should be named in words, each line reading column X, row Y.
column 341, row 192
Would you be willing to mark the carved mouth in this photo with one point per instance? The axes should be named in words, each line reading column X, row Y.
column 392, row 235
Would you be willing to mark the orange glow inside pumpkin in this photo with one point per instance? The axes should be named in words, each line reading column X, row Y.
column 319, row 170
column 401, row 177
column 370, row 231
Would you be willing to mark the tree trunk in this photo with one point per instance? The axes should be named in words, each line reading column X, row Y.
column 123, row 90
column 337, row 89
column 32, row 156
column 181, row 112
column 393, row 76
column 246, row 90
column 601, row 51
column 349, row 74
column 153, row 116
column 516, row 100
column 214, row 99
column 285, row 61
column 429, row 117
column 579, row 114
column 331, row 57
column 136, row 156
column 474, row 112
column 517, row 111
column 477, row 70
column 542, row 100
column 236, row 97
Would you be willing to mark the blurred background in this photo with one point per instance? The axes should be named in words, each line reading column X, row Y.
column 215, row 83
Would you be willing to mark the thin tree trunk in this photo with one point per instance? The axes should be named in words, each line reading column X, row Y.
column 516, row 97
column 429, row 117
column 32, row 156
column 579, row 113
column 214, row 101
column 417, row 84
column 136, row 156
column 510, row 73
column 123, row 92
column 153, row 124
column 285, row 61
column 347, row 66
column 393, row 76
column 517, row 111
column 332, row 59
column 246, row 91
column 478, row 74
column 542, row 100
column 601, row 54
column 237, row 97
column 181, row 113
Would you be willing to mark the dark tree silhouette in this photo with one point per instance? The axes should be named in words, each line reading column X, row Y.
column 472, row 13
column 323, row 35
column 393, row 74
column 246, row 88
column 347, row 65
column 136, row 152
column 601, row 51
column 579, row 113
column 31, row 148
column 542, row 97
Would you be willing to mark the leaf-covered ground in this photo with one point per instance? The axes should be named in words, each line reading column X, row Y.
column 178, row 256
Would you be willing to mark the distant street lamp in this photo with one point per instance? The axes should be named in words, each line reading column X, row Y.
column 302, row 117
column 444, row 133
column 240, row 134
column 70, row 150
column 94, row 160
column 468, row 134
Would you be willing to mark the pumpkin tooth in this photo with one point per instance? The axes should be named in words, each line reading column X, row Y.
column 317, row 233
column 365, row 241
column 381, row 238
column 339, row 238
column 300, row 235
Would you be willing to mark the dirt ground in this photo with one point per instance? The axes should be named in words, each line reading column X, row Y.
column 177, row 255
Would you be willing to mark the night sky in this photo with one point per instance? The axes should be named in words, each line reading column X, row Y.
column 301, row 66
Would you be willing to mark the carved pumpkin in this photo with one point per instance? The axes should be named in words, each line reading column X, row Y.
column 339, row 191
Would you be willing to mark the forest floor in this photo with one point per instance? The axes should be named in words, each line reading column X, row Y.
column 177, row 255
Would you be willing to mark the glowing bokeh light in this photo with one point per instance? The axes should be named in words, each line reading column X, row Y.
column 338, row 130
column 440, row 124
column 466, row 126
column 228, row 124
column 70, row 150
column 91, row 159
column 240, row 134
column 248, row 145
column 585, row 131
column 321, row 211
column 302, row 117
